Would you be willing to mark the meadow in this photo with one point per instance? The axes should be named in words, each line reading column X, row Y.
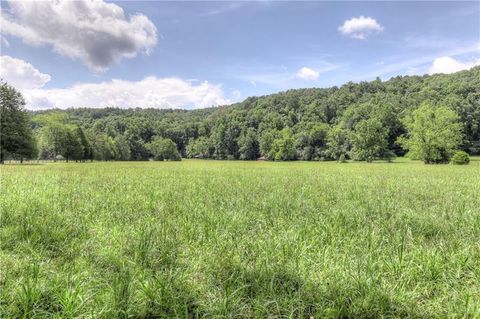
column 231, row 239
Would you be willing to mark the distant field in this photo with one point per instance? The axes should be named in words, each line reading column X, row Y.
column 231, row 239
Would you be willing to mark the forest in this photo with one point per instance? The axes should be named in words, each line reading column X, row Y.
column 426, row 117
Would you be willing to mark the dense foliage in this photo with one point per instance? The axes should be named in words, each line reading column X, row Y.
column 460, row 158
column 16, row 138
column 433, row 134
column 163, row 149
column 361, row 121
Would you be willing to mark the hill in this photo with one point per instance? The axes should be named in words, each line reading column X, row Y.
column 300, row 120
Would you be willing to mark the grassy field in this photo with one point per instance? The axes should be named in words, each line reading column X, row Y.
column 240, row 239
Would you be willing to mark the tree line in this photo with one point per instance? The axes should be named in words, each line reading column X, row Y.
column 424, row 117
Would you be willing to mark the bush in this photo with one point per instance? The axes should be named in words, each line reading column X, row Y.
column 460, row 158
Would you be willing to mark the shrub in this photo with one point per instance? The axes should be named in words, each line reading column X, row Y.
column 460, row 158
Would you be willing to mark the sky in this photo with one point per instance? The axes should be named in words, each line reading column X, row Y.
column 199, row 54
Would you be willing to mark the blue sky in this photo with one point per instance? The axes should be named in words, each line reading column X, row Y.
column 197, row 54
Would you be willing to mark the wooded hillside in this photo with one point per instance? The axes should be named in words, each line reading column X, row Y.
column 307, row 124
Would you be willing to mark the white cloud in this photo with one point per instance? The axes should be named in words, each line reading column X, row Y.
column 95, row 32
column 448, row 65
column 276, row 76
column 398, row 65
column 308, row 74
column 21, row 74
column 236, row 94
column 360, row 28
column 151, row 92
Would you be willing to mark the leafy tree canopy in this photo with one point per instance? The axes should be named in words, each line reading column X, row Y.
column 16, row 135
column 357, row 120
column 163, row 149
column 433, row 133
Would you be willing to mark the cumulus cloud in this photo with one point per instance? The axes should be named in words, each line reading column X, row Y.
column 448, row 65
column 151, row 92
column 94, row 32
column 21, row 74
column 308, row 74
column 360, row 28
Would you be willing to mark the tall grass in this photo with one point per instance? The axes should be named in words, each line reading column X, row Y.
column 204, row 239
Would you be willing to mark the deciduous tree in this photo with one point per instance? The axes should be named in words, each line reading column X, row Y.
column 249, row 148
column 433, row 133
column 163, row 149
column 369, row 140
column 283, row 148
column 16, row 136
column 338, row 144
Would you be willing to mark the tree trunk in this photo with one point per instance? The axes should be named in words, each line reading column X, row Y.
column 1, row 157
column 21, row 160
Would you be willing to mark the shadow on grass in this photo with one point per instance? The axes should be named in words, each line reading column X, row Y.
column 279, row 293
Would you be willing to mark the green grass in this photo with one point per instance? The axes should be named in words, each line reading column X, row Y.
column 217, row 239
